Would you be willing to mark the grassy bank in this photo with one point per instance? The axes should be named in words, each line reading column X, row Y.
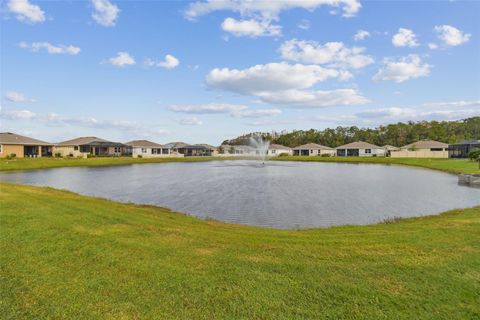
column 67, row 256
column 45, row 163
column 447, row 165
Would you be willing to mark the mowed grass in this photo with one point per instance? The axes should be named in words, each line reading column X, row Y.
column 65, row 256
column 448, row 165
column 45, row 163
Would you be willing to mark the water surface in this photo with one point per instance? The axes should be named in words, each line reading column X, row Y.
column 279, row 194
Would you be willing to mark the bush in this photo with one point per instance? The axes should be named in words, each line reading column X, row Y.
column 91, row 155
column 139, row 156
column 474, row 155
column 325, row 155
column 58, row 155
column 283, row 154
column 11, row 156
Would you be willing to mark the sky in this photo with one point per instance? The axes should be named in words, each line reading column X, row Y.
column 206, row 71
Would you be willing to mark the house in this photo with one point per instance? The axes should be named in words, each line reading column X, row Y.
column 389, row 148
column 83, row 146
column 198, row 150
column 313, row 149
column 239, row 150
column 422, row 149
column 360, row 149
column 463, row 148
column 175, row 147
column 148, row 149
column 277, row 149
column 12, row 144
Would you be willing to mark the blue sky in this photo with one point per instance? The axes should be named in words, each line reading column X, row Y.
column 205, row 71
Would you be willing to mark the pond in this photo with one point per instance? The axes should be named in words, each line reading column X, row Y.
column 285, row 195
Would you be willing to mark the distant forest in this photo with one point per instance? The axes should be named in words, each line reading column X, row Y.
column 398, row 134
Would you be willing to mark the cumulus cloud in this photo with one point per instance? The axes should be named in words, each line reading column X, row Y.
column 334, row 54
column 191, row 121
column 251, row 28
column 14, row 96
column 122, row 59
column 17, row 114
column 304, row 24
column 406, row 68
column 234, row 110
column 405, row 38
column 284, row 84
column 452, row 36
column 105, row 13
column 25, row 11
column 169, row 62
column 360, row 35
column 50, row 48
column 267, row 9
column 432, row 46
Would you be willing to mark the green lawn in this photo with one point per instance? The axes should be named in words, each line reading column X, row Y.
column 448, row 165
column 65, row 256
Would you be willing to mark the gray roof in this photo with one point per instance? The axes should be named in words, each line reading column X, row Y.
column 312, row 146
column 12, row 138
column 426, row 144
column 209, row 146
column 143, row 143
column 274, row 146
column 466, row 142
column 175, row 145
column 359, row 145
column 81, row 141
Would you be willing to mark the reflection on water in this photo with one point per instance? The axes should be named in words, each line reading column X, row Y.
column 277, row 194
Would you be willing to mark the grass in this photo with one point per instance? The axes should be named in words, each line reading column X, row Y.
column 447, row 165
column 65, row 256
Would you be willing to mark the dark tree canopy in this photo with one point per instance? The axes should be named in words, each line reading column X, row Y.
column 398, row 134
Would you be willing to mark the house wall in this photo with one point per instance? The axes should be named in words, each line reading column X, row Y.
column 374, row 152
column 313, row 152
column 420, row 153
column 67, row 151
column 137, row 151
column 8, row 149
column 277, row 152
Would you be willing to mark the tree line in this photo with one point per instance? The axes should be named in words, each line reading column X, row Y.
column 398, row 134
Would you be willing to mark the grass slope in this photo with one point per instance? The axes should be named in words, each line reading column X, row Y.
column 447, row 165
column 65, row 256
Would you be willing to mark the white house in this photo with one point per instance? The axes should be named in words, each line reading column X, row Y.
column 422, row 149
column 360, row 149
column 148, row 149
column 313, row 149
column 277, row 149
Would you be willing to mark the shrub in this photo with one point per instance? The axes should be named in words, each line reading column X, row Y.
column 283, row 154
column 91, row 155
column 139, row 156
column 474, row 155
column 58, row 155
column 11, row 156
column 325, row 155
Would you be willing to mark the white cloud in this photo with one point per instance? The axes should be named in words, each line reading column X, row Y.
column 17, row 115
column 454, row 104
column 452, row 36
column 169, row 62
column 304, row 24
column 14, row 96
column 26, row 11
column 405, row 38
column 433, row 46
column 105, row 13
column 251, row 28
column 360, row 35
column 284, row 84
column 122, row 59
column 334, row 54
column 192, row 121
column 314, row 98
column 266, row 9
column 50, row 48
column 234, row 110
column 406, row 68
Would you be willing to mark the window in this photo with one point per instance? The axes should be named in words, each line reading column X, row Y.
column 156, row 151
column 118, row 149
column 144, row 150
column 75, row 148
column 0, row 148
column 436, row 149
column 368, row 150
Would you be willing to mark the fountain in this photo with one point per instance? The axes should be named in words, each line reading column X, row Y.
column 261, row 147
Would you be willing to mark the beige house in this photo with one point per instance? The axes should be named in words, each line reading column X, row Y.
column 12, row 144
column 360, row 149
column 422, row 149
column 313, row 149
column 389, row 148
column 148, row 149
column 277, row 149
column 83, row 146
